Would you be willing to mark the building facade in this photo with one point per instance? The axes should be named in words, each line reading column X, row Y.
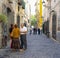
column 6, row 10
column 14, row 10
column 27, row 12
column 53, row 18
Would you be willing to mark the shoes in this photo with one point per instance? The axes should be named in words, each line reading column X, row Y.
column 21, row 50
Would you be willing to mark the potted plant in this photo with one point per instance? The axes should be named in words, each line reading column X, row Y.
column 3, row 18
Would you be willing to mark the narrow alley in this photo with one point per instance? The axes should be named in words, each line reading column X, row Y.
column 19, row 17
column 39, row 46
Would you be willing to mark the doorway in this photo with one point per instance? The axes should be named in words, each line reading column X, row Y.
column 54, row 26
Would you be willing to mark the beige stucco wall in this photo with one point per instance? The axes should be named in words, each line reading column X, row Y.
column 0, row 7
column 56, row 7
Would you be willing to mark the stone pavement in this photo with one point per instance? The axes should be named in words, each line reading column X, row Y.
column 39, row 46
column 58, row 36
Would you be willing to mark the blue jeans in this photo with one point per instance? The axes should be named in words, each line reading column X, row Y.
column 23, row 41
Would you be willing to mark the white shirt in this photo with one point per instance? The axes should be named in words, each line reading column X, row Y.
column 23, row 29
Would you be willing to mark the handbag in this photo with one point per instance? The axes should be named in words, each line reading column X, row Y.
column 11, row 35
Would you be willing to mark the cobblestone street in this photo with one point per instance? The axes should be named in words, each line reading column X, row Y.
column 39, row 46
column 39, row 19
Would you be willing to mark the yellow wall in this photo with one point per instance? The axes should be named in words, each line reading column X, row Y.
column 40, row 17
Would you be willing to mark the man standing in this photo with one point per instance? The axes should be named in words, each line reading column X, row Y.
column 11, row 28
column 23, row 32
column 10, row 31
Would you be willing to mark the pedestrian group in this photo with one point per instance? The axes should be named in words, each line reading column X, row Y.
column 18, row 37
column 35, row 30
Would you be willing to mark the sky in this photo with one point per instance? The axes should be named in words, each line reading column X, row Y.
column 32, row 3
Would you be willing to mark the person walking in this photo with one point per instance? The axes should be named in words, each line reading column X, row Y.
column 38, row 31
column 30, row 30
column 15, row 40
column 23, row 32
column 34, row 30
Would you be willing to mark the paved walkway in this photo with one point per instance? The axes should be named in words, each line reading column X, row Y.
column 39, row 46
